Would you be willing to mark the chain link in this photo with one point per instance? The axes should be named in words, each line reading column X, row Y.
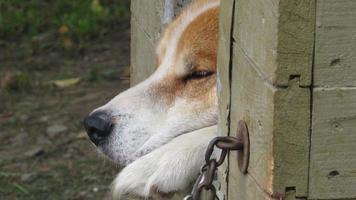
column 208, row 170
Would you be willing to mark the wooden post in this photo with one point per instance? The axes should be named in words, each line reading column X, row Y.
column 333, row 138
column 223, row 82
column 271, row 72
column 148, row 19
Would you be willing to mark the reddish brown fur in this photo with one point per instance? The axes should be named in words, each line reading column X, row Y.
column 199, row 41
column 210, row 28
column 198, row 49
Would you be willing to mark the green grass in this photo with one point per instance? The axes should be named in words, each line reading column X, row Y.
column 84, row 18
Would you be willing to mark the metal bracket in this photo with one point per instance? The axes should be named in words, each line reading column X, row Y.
column 243, row 156
column 240, row 143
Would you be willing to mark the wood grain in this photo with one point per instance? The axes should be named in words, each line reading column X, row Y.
column 335, row 49
column 333, row 138
column 271, row 76
column 333, row 150
column 278, row 36
column 146, row 29
column 223, row 82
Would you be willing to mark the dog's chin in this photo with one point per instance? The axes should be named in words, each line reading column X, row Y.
column 120, row 160
column 116, row 159
column 123, row 160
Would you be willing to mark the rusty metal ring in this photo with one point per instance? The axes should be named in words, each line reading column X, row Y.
column 226, row 139
column 204, row 168
column 212, row 193
column 209, row 174
column 225, row 144
column 210, row 151
column 197, row 187
column 243, row 156
column 222, row 157
column 230, row 143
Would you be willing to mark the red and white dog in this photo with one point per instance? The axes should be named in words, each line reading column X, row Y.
column 159, row 129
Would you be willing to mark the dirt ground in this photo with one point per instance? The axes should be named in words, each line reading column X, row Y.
column 44, row 151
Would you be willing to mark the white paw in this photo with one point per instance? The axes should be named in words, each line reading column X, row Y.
column 170, row 168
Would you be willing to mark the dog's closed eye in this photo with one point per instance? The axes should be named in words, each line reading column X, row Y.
column 198, row 75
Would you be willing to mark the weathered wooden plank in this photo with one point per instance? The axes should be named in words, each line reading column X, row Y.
column 279, row 124
column 256, row 31
column 278, row 35
column 252, row 101
column 335, row 50
column 291, row 138
column 295, row 41
column 272, row 63
column 246, row 188
column 142, row 54
column 223, row 81
column 333, row 144
column 148, row 19
column 333, row 149
column 149, row 15
column 224, row 64
column 291, row 195
column 146, row 28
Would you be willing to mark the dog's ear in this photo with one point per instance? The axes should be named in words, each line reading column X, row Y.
column 168, row 169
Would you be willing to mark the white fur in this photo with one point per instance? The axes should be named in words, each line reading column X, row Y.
column 171, row 51
column 162, row 145
column 143, row 123
column 171, row 167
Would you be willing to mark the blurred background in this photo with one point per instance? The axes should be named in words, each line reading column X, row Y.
column 59, row 59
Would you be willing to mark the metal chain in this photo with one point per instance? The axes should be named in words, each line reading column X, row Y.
column 208, row 170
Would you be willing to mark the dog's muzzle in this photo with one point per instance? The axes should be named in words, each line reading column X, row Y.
column 98, row 126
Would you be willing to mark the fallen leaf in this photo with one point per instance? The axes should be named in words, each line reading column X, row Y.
column 63, row 30
column 66, row 82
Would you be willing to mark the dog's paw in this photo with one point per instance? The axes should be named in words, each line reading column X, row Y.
column 168, row 169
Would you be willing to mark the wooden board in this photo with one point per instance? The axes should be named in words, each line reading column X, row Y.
column 256, row 31
column 279, row 124
column 146, row 28
column 271, row 76
column 295, row 41
column 335, row 49
column 251, row 101
column 223, row 81
column 278, row 36
column 291, row 139
column 333, row 150
column 142, row 54
column 333, row 138
column 148, row 20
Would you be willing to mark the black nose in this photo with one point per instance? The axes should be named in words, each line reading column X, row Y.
column 98, row 126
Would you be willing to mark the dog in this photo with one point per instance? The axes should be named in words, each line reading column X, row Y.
column 159, row 129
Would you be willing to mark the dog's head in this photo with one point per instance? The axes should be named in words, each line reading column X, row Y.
column 179, row 97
